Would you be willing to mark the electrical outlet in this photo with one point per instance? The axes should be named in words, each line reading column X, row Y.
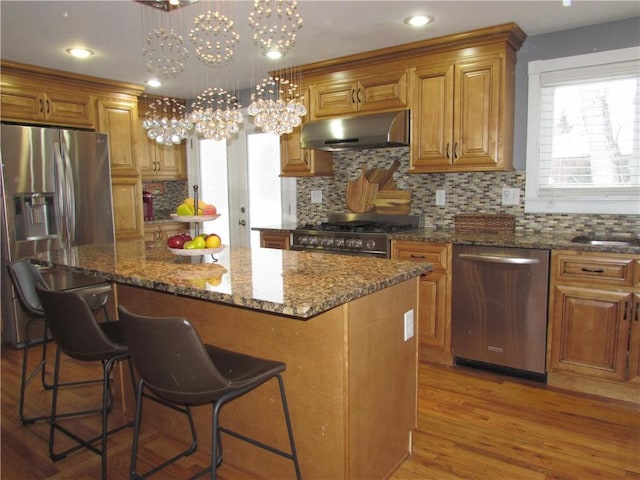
column 510, row 196
column 408, row 325
column 316, row 196
column 441, row 198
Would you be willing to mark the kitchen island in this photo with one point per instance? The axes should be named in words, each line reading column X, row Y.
column 337, row 321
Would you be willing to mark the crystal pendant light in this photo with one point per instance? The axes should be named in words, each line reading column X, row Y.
column 276, row 106
column 165, row 121
column 165, row 52
column 215, row 114
column 214, row 38
column 274, row 23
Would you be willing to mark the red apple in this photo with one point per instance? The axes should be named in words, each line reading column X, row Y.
column 176, row 241
column 186, row 236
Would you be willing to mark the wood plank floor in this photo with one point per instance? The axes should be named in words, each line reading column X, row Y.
column 471, row 425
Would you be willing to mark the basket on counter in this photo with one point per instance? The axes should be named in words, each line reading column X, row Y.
column 484, row 223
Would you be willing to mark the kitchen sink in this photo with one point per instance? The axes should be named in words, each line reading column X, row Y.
column 626, row 241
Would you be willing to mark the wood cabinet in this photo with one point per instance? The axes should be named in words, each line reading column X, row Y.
column 156, row 232
column 279, row 240
column 594, row 342
column 155, row 161
column 371, row 93
column 434, row 302
column 303, row 162
column 462, row 114
column 119, row 118
column 127, row 206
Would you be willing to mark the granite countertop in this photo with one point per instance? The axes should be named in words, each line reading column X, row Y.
column 296, row 284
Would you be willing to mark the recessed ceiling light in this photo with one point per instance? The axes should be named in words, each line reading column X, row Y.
column 79, row 52
column 566, row 3
column 274, row 54
column 154, row 83
column 418, row 20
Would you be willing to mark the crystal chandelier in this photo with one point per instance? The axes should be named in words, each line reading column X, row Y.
column 275, row 23
column 165, row 52
column 277, row 106
column 215, row 114
column 165, row 121
column 214, row 38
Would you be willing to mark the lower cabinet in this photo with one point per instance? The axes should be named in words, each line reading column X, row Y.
column 279, row 240
column 156, row 232
column 434, row 303
column 594, row 324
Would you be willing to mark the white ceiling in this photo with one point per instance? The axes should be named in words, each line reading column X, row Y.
column 37, row 32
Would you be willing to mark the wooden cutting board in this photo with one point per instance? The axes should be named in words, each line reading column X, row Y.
column 361, row 193
column 383, row 176
column 393, row 202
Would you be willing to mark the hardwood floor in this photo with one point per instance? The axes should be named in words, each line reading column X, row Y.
column 471, row 425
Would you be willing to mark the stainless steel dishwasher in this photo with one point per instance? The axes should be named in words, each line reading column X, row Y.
column 499, row 308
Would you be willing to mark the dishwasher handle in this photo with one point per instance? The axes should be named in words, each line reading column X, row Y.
column 499, row 259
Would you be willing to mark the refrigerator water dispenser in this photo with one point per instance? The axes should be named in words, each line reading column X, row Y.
column 35, row 216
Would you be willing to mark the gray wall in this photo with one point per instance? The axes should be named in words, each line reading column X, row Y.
column 577, row 41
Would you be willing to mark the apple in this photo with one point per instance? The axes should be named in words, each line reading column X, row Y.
column 209, row 210
column 186, row 236
column 176, row 241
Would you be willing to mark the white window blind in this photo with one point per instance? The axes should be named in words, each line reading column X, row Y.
column 583, row 140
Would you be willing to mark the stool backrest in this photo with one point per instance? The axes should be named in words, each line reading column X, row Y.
column 25, row 276
column 171, row 359
column 74, row 327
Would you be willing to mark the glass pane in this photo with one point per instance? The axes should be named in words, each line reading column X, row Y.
column 263, row 151
column 213, row 187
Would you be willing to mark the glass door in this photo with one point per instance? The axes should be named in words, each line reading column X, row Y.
column 241, row 177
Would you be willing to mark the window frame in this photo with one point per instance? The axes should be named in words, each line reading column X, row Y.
column 598, row 203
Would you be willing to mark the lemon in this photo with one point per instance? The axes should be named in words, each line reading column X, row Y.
column 212, row 241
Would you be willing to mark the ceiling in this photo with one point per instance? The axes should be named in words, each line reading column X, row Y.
column 38, row 32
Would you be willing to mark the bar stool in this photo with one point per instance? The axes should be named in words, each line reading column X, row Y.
column 25, row 276
column 78, row 335
column 174, row 364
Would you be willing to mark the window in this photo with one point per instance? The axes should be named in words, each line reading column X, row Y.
column 583, row 134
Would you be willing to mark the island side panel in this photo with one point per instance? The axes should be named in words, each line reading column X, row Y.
column 382, row 390
column 314, row 351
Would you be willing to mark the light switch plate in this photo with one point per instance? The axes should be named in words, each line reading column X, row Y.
column 408, row 325
column 510, row 196
column 441, row 198
column 316, row 196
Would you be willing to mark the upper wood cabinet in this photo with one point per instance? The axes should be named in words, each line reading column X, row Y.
column 372, row 93
column 155, row 161
column 119, row 118
column 296, row 161
column 26, row 98
column 462, row 115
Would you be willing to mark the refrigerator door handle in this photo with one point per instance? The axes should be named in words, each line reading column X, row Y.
column 70, row 194
column 60, row 210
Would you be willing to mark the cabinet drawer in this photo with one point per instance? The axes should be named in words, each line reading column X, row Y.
column 436, row 253
column 603, row 269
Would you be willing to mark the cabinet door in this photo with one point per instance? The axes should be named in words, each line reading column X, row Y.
column 432, row 118
column 63, row 108
column 333, row 99
column 302, row 162
column 476, row 113
column 172, row 160
column 119, row 119
column 382, row 92
column 590, row 332
column 127, row 210
column 634, row 341
column 279, row 240
column 20, row 104
column 434, row 309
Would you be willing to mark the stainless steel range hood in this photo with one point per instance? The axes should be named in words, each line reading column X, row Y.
column 380, row 130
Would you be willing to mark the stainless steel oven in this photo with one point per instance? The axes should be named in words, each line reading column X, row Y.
column 353, row 234
column 499, row 308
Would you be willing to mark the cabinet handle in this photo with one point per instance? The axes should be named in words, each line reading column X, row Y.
column 637, row 315
column 41, row 106
column 448, row 156
column 417, row 256
column 353, row 96
column 359, row 95
column 455, row 150
column 592, row 270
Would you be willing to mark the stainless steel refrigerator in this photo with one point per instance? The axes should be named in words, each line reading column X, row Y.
column 56, row 192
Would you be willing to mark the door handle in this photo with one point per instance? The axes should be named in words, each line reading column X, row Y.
column 242, row 223
column 448, row 156
column 499, row 259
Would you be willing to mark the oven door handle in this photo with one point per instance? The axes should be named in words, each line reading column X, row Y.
column 499, row 259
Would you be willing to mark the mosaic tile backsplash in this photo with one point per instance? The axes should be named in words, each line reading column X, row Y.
column 468, row 192
column 165, row 203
